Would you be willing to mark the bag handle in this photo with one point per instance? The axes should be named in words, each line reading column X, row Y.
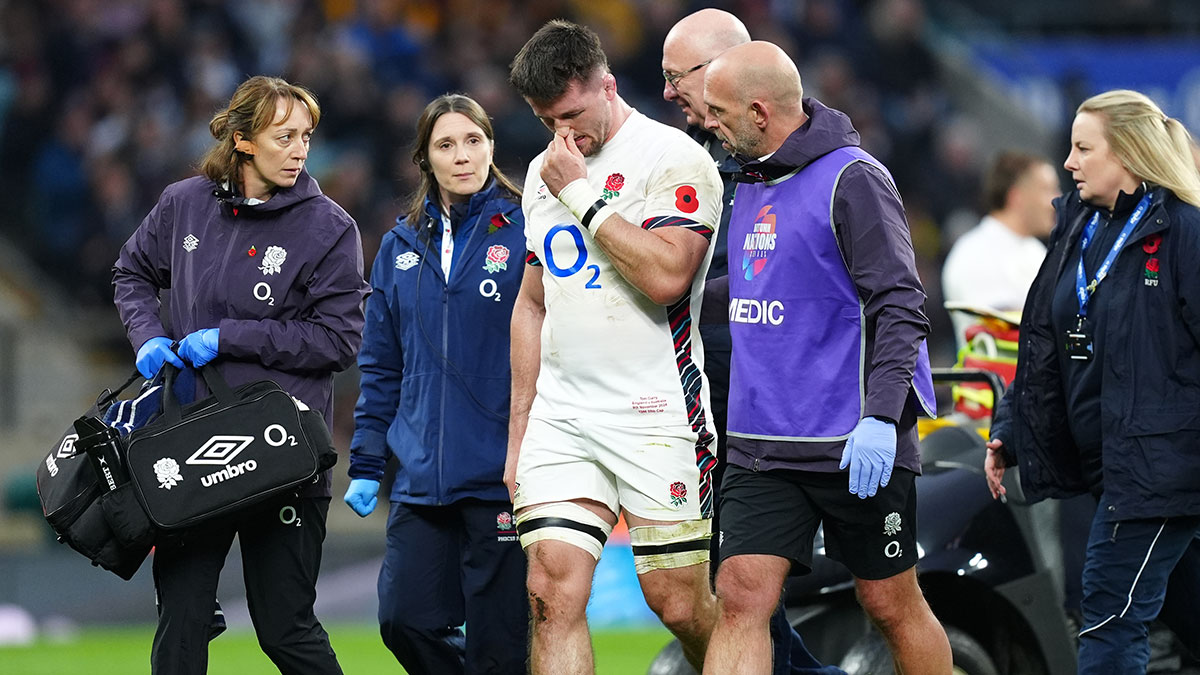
column 172, row 410
column 217, row 385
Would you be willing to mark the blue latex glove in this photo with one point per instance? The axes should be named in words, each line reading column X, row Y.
column 361, row 496
column 870, row 453
column 153, row 353
column 200, row 347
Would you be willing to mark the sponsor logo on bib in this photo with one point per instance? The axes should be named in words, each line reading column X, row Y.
column 759, row 243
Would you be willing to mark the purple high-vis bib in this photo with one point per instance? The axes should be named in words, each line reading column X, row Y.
column 799, row 348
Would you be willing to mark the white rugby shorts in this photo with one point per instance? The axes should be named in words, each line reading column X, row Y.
column 650, row 472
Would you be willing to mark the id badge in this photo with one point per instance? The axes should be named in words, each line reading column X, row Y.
column 1079, row 341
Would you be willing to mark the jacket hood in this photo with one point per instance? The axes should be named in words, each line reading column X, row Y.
column 825, row 130
column 306, row 188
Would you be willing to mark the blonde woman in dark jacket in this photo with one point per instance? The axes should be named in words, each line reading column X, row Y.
column 1107, row 393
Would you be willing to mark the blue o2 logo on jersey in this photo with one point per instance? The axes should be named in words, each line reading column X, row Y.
column 581, row 255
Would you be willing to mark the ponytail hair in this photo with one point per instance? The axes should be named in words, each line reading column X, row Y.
column 250, row 111
column 1153, row 147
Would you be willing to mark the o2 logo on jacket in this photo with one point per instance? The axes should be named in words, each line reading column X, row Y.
column 759, row 243
column 488, row 288
column 262, row 293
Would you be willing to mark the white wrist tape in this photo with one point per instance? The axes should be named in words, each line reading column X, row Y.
column 583, row 202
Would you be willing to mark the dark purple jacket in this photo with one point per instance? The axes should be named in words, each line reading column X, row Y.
column 873, row 235
column 283, row 280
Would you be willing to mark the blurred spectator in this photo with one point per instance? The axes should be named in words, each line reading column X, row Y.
column 59, row 192
column 992, row 265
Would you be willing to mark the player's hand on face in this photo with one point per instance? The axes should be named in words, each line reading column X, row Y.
column 564, row 161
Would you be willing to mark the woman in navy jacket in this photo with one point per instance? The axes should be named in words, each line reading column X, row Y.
column 1107, row 393
column 263, row 273
column 435, row 392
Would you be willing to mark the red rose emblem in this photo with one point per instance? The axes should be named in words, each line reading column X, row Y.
column 685, row 199
column 678, row 490
column 1151, row 243
column 504, row 521
column 615, row 182
column 497, row 254
column 1152, row 265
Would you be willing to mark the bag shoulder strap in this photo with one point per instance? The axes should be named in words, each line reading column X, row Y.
column 107, row 396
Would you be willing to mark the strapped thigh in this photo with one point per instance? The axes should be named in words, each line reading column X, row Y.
column 664, row 547
column 566, row 522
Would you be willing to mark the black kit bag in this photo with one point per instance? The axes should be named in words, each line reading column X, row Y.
column 232, row 449
column 86, row 496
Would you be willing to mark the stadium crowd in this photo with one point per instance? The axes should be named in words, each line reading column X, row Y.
column 102, row 104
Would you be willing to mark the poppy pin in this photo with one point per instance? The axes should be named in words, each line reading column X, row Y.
column 498, row 221
column 1150, row 245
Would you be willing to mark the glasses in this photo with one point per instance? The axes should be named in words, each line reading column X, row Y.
column 674, row 78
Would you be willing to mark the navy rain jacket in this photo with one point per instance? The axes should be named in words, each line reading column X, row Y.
column 1150, row 392
column 435, row 356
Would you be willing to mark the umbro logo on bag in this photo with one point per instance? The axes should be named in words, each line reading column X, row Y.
column 67, row 448
column 225, row 452
column 231, row 471
column 220, row 450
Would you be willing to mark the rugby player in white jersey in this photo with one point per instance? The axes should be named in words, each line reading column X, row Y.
column 609, row 400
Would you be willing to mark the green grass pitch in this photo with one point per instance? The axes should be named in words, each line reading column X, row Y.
column 126, row 651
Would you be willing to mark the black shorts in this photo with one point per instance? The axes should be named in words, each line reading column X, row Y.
column 777, row 513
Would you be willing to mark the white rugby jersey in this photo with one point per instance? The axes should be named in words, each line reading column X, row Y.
column 609, row 353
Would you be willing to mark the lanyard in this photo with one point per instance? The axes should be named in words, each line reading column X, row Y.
column 447, row 246
column 448, row 235
column 1083, row 290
